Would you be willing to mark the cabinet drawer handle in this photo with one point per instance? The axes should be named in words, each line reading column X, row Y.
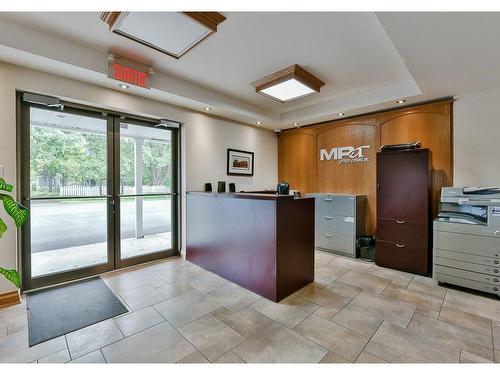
column 328, row 218
column 400, row 221
column 328, row 235
column 328, row 199
column 400, row 245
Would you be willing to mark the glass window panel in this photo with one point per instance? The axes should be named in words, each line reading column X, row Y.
column 67, row 234
column 68, row 154
column 145, row 225
column 145, row 160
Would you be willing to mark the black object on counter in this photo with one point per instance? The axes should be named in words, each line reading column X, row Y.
column 401, row 146
column 208, row 187
column 283, row 188
column 232, row 187
column 221, row 187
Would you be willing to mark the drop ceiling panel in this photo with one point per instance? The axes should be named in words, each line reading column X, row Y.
column 172, row 32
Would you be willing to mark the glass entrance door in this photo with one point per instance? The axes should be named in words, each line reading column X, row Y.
column 101, row 190
column 146, row 192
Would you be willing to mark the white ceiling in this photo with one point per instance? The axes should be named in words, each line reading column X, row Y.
column 367, row 60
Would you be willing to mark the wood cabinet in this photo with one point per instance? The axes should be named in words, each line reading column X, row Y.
column 404, row 211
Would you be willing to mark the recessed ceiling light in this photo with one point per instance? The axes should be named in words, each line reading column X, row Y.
column 288, row 84
column 207, row 109
column 173, row 33
column 401, row 101
column 123, row 86
column 295, row 123
column 340, row 114
column 258, row 122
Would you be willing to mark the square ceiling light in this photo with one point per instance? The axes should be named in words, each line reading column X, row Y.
column 288, row 84
column 173, row 33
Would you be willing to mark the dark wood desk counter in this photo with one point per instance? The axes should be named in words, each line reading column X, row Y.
column 263, row 242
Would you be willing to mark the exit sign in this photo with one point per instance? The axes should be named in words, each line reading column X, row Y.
column 129, row 72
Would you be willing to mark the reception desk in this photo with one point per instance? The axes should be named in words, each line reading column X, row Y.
column 262, row 242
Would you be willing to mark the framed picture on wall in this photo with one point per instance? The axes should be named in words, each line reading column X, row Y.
column 239, row 163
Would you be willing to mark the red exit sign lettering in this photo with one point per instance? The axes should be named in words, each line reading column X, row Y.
column 130, row 75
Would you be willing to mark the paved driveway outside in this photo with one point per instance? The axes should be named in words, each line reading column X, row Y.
column 56, row 225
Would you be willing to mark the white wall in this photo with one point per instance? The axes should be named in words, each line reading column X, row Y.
column 204, row 138
column 476, row 123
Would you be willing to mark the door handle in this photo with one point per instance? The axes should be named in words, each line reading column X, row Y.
column 400, row 245
column 328, row 199
column 400, row 221
column 328, row 218
column 327, row 235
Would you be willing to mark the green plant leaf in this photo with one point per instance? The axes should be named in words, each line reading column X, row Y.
column 16, row 211
column 12, row 276
column 5, row 186
column 3, row 228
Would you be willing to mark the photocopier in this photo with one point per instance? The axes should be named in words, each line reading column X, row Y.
column 467, row 238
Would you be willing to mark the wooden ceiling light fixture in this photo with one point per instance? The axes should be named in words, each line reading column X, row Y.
column 288, row 84
column 173, row 33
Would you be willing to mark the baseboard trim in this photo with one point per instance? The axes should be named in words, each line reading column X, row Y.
column 10, row 299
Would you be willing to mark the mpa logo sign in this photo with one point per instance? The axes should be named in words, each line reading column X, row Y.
column 345, row 155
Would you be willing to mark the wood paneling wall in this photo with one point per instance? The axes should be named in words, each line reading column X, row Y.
column 299, row 156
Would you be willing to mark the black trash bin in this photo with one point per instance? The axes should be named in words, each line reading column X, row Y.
column 365, row 247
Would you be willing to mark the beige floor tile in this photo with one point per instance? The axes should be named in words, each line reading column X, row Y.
column 453, row 335
column 138, row 320
column 96, row 336
column 289, row 311
column 234, row 297
column 352, row 264
column 466, row 320
column 326, row 275
column 15, row 348
column 496, row 333
column 346, row 290
column 141, row 297
column 427, row 312
column 326, row 313
column 357, row 321
column 179, row 271
column 158, row 344
column 17, row 322
column 467, row 357
column 414, row 297
column 366, row 357
column 211, row 337
column 427, row 285
column 472, row 303
column 195, row 357
column 385, row 308
column 332, row 357
column 332, row 336
column 59, row 357
column 123, row 280
column 229, row 357
column 497, row 356
column 277, row 344
column 246, row 322
column 94, row 357
column 365, row 281
column 186, row 307
column 324, row 297
column 322, row 258
column 395, row 344
column 207, row 281
column 175, row 289
column 399, row 278
column 3, row 325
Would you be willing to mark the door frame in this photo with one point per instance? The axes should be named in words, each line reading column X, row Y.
column 114, row 262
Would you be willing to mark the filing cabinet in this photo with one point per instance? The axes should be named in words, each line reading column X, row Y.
column 339, row 219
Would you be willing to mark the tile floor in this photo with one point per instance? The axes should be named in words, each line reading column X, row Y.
column 354, row 312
